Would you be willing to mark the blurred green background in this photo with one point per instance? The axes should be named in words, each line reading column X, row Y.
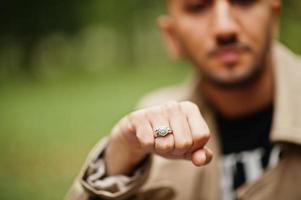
column 68, row 71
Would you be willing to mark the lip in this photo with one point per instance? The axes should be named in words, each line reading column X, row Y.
column 230, row 54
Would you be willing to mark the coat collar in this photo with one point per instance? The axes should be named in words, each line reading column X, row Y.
column 286, row 125
column 287, row 115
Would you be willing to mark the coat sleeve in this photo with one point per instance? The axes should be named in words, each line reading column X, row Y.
column 92, row 182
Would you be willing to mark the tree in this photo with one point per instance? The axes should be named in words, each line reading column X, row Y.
column 27, row 22
column 125, row 17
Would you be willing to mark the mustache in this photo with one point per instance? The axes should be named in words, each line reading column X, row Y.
column 237, row 45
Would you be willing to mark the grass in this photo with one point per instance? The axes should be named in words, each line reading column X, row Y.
column 47, row 128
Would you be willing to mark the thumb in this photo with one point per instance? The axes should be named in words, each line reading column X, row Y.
column 201, row 157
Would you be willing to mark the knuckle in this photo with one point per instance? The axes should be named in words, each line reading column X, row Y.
column 125, row 124
column 189, row 104
column 206, row 135
column 202, row 137
column 165, row 147
column 131, row 116
column 136, row 115
column 185, row 144
column 116, row 130
column 172, row 106
column 190, row 107
column 154, row 111
column 128, row 118
column 199, row 137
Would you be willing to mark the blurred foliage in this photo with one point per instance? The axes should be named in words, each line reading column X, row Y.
column 290, row 26
column 291, row 9
column 35, row 19
column 27, row 23
column 52, row 37
column 125, row 17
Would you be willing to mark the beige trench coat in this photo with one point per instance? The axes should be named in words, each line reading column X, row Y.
column 161, row 179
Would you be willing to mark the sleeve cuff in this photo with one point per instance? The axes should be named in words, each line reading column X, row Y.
column 93, row 177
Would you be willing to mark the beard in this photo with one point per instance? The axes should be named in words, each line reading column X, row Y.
column 256, row 68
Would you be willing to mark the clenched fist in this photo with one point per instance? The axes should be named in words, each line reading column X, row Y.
column 133, row 137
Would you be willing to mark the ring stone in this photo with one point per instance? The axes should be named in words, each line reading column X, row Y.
column 162, row 131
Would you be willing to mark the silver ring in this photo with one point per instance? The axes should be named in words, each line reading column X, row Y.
column 162, row 131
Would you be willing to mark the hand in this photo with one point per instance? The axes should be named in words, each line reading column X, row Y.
column 133, row 138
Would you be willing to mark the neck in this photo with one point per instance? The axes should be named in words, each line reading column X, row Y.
column 240, row 101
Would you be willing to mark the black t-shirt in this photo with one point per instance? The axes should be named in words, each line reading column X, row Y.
column 246, row 149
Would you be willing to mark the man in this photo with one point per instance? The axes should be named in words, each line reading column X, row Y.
column 245, row 97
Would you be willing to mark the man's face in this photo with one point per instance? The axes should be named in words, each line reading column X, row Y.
column 228, row 40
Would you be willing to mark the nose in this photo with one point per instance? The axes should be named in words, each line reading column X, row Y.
column 224, row 23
